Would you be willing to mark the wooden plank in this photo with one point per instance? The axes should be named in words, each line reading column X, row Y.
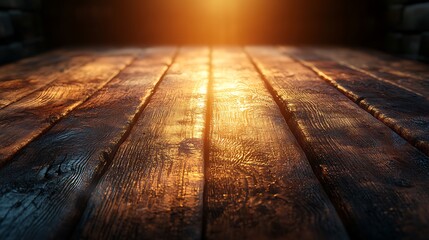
column 17, row 86
column 376, row 179
column 403, row 111
column 20, row 79
column 44, row 189
column 401, row 66
column 410, row 75
column 26, row 119
column 259, row 182
column 154, row 187
column 27, row 66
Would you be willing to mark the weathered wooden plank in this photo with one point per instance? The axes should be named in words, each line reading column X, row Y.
column 259, row 182
column 377, row 180
column 403, row 111
column 17, row 87
column 401, row 66
column 27, row 66
column 410, row 75
column 154, row 187
column 44, row 189
column 22, row 78
column 24, row 120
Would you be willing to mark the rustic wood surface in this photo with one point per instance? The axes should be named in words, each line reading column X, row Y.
column 20, row 79
column 46, row 184
column 259, row 182
column 28, row 66
column 404, row 111
column 157, row 175
column 406, row 74
column 24, row 120
column 214, row 143
column 16, row 87
column 376, row 179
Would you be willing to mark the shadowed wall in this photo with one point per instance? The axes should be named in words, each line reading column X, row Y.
column 20, row 29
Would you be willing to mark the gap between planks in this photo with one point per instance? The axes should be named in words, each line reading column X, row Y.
column 206, row 147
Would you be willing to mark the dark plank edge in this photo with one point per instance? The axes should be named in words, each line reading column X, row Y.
column 206, row 140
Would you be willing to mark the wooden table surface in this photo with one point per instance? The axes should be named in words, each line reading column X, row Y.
column 214, row 143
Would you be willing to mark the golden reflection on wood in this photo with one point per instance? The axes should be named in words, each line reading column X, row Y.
column 104, row 151
column 259, row 182
column 154, row 187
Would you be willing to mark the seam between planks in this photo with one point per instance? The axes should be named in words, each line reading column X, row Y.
column 108, row 158
column 375, row 113
column 282, row 105
column 53, row 123
column 206, row 142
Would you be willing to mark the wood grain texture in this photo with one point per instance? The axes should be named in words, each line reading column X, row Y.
column 403, row 111
column 44, row 189
column 26, row 66
column 154, row 187
column 20, row 79
column 376, row 179
column 16, row 87
column 259, row 182
column 410, row 75
column 24, row 120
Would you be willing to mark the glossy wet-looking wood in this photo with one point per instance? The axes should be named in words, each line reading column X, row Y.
column 215, row 143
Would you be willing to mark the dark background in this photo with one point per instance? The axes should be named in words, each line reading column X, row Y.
column 139, row 22
column 28, row 27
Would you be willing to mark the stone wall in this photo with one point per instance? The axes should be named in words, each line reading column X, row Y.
column 20, row 29
column 408, row 28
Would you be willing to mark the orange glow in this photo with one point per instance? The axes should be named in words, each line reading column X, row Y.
column 235, row 21
column 205, row 22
